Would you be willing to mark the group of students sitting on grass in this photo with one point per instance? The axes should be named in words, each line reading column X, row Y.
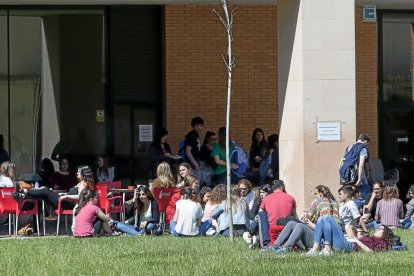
column 267, row 212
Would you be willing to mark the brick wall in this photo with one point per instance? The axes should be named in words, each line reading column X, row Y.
column 366, row 79
column 196, row 79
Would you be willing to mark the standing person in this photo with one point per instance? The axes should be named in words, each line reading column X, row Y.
column 160, row 150
column 357, row 154
column 63, row 179
column 193, row 145
column 208, row 165
column 390, row 207
column 278, row 204
column 4, row 155
column 104, row 171
column 219, row 154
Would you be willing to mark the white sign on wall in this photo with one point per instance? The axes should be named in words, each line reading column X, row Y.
column 145, row 133
column 328, row 131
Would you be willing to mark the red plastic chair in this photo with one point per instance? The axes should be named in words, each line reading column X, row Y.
column 60, row 211
column 163, row 197
column 111, row 185
column 9, row 206
column 109, row 205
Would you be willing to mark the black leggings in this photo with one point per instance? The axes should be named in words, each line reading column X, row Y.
column 50, row 198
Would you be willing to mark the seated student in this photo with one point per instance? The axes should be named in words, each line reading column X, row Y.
column 104, row 171
column 334, row 240
column 164, row 177
column 47, row 169
column 278, row 204
column 301, row 234
column 240, row 214
column 192, row 182
column 89, row 217
column 207, row 163
column 265, row 190
column 250, row 237
column 218, row 194
column 187, row 217
column 147, row 215
column 7, row 174
column 63, row 179
column 220, row 157
column 390, row 207
column 184, row 169
column 205, row 194
column 409, row 214
column 348, row 211
column 367, row 219
column 247, row 195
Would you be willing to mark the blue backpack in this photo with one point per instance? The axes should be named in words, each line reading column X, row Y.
column 348, row 170
column 240, row 158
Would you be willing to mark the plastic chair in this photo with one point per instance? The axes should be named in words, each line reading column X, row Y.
column 109, row 205
column 163, row 197
column 376, row 173
column 60, row 211
column 9, row 206
column 111, row 185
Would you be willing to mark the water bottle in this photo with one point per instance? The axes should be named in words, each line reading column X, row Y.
column 36, row 185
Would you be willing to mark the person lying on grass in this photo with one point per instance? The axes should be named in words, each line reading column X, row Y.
column 89, row 217
column 147, row 215
column 334, row 240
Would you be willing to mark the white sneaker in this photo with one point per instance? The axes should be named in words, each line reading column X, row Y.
column 247, row 238
column 254, row 239
column 312, row 252
column 211, row 232
column 325, row 252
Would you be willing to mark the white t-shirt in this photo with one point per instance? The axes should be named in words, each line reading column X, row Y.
column 188, row 213
column 349, row 213
column 6, row 181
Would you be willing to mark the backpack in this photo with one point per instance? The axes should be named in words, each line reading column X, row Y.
column 240, row 158
column 181, row 149
column 348, row 169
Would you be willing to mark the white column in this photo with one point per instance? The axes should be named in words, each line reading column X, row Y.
column 316, row 44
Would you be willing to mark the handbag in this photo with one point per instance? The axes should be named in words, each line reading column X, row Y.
column 26, row 230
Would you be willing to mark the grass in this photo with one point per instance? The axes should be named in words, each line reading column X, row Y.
column 184, row 256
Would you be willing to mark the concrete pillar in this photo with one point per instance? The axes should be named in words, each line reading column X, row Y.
column 316, row 45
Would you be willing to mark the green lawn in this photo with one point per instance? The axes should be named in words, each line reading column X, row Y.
column 184, row 256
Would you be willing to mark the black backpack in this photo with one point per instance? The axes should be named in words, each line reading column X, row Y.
column 348, row 169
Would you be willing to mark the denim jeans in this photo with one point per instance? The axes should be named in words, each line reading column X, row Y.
column 295, row 233
column 134, row 231
column 372, row 225
column 201, row 230
column 264, row 227
column 327, row 228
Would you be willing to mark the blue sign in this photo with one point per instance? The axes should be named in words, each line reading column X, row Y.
column 369, row 13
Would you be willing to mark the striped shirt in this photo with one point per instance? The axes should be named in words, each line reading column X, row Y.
column 389, row 212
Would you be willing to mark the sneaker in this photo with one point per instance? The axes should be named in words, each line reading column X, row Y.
column 282, row 250
column 325, row 252
column 254, row 239
column 247, row 238
column 211, row 232
column 312, row 252
column 269, row 249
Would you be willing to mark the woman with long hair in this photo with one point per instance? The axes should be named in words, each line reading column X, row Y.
column 89, row 217
column 390, row 207
column 160, row 150
column 327, row 229
column 164, row 179
column 184, row 169
column 7, row 174
column 104, row 172
column 86, row 182
column 147, row 215
column 218, row 194
column 257, row 149
column 240, row 214
column 207, row 163
column 409, row 214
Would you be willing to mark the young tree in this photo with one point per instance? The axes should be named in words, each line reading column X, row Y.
column 230, row 62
